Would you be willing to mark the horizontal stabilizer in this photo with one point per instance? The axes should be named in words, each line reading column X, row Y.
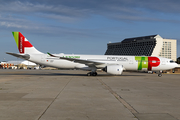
column 26, row 56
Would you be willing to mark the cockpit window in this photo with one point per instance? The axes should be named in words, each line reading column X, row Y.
column 171, row 61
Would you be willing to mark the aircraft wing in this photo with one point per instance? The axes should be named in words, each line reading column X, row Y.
column 82, row 61
column 26, row 56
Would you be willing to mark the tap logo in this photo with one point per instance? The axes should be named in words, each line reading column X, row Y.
column 147, row 62
column 21, row 42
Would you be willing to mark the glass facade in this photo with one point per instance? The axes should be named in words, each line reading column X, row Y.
column 139, row 46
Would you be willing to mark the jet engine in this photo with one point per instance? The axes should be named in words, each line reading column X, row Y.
column 113, row 69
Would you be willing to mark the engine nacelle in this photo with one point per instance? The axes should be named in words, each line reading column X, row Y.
column 113, row 69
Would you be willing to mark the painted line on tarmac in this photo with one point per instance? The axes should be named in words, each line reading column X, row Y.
column 53, row 100
column 119, row 98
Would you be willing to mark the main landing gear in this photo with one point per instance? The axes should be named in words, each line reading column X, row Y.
column 92, row 74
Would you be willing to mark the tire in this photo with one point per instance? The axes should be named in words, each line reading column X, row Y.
column 159, row 75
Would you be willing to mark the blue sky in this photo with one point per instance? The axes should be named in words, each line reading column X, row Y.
column 85, row 27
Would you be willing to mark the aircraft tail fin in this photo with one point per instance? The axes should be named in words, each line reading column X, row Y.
column 23, row 45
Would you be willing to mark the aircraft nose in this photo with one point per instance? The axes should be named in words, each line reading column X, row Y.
column 176, row 65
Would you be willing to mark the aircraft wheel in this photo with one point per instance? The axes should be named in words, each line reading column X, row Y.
column 94, row 74
column 159, row 75
column 89, row 74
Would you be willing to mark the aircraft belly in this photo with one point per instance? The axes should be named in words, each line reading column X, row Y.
column 129, row 66
column 63, row 64
column 162, row 67
column 53, row 62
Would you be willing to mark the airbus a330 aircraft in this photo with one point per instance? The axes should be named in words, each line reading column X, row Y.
column 109, row 63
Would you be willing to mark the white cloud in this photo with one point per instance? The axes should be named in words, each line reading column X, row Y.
column 70, row 10
column 7, row 24
column 31, row 14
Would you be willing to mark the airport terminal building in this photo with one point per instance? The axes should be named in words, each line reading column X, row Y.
column 153, row 45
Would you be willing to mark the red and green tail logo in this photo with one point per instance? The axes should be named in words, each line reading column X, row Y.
column 21, row 42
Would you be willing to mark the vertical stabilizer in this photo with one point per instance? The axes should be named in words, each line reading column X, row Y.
column 23, row 45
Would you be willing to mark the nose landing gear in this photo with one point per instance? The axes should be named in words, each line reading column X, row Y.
column 160, row 73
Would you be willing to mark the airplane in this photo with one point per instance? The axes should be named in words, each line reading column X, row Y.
column 111, row 64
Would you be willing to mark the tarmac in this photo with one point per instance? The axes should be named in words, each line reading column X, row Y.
column 71, row 95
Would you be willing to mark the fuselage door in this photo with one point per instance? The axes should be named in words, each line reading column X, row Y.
column 130, row 61
column 163, row 62
column 42, row 58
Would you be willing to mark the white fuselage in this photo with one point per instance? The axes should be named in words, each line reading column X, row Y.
column 128, row 62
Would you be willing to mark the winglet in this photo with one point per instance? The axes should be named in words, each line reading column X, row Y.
column 51, row 54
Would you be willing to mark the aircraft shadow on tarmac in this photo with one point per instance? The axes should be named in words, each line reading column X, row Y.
column 99, row 75
column 67, row 74
column 64, row 73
